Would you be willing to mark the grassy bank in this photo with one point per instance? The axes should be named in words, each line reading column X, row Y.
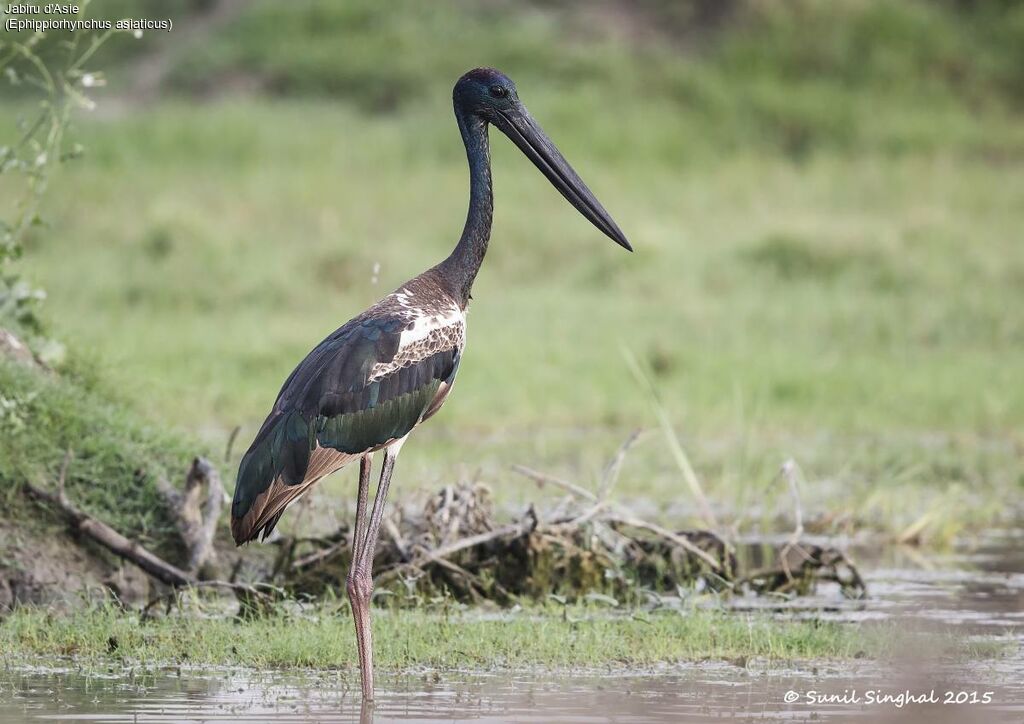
column 73, row 427
column 408, row 639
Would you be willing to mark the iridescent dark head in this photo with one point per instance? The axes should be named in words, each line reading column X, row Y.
column 485, row 91
column 491, row 96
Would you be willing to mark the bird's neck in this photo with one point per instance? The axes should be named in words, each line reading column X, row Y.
column 462, row 265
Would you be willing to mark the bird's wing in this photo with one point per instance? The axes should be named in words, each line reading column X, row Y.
column 367, row 384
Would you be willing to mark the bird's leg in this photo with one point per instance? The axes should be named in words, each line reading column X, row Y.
column 360, row 577
column 359, row 531
column 359, row 580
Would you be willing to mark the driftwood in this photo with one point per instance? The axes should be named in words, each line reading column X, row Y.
column 197, row 517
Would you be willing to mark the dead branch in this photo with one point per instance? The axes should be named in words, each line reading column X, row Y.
column 543, row 479
column 315, row 557
column 396, row 537
column 454, row 546
column 132, row 551
column 669, row 536
column 508, row 531
column 113, row 541
column 196, row 518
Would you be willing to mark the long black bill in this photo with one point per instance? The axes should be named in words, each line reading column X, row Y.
column 531, row 139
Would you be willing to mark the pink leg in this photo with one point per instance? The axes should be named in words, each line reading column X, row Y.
column 360, row 576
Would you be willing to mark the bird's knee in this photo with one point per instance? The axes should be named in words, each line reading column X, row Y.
column 359, row 585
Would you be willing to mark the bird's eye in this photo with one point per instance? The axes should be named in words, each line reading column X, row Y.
column 499, row 91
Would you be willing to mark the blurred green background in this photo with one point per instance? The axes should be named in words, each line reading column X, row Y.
column 826, row 200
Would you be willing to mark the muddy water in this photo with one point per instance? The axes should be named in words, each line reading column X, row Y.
column 977, row 591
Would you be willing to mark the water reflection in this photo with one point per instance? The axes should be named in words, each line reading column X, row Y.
column 690, row 694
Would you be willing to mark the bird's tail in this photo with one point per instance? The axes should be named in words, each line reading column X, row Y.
column 277, row 461
column 283, row 462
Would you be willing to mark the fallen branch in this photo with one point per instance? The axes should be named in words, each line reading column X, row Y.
column 317, row 556
column 197, row 519
column 202, row 536
column 113, row 541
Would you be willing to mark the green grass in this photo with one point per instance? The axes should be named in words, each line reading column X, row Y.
column 827, row 234
column 406, row 639
column 116, row 456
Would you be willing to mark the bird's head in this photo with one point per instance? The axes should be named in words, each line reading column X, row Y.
column 486, row 92
column 491, row 96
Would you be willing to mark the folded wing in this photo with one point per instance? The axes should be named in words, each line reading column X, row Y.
column 367, row 384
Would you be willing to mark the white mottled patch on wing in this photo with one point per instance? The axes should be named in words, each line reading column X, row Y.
column 425, row 325
column 431, row 331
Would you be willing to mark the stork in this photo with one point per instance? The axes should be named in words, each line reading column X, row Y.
column 377, row 377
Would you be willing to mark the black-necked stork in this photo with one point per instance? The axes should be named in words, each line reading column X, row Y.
column 372, row 381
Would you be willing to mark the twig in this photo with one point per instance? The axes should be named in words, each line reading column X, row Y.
column 543, row 479
column 315, row 557
column 396, row 537
column 587, row 516
column 618, row 514
column 667, row 535
column 514, row 529
column 231, row 442
column 614, row 467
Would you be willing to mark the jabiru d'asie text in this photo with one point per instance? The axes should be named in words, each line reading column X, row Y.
column 371, row 382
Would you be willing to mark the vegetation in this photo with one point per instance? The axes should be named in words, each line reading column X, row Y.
column 73, row 428
column 70, row 427
column 56, row 79
column 583, row 636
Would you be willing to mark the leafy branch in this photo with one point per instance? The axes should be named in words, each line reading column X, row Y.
column 49, row 74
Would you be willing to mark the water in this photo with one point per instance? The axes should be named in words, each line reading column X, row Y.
column 977, row 592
